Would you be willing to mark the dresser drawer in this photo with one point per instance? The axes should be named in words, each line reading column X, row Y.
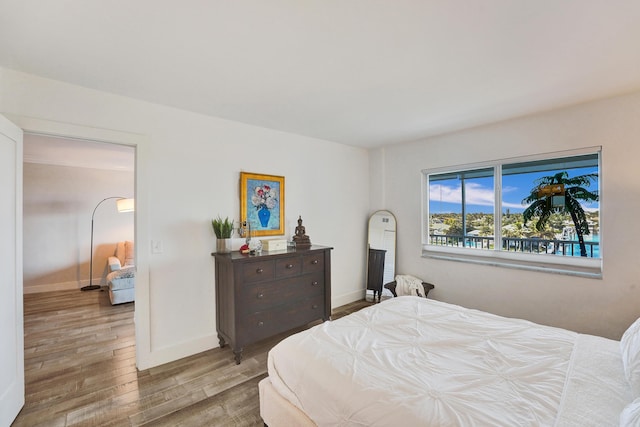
column 313, row 263
column 257, row 271
column 263, row 296
column 270, row 322
column 289, row 267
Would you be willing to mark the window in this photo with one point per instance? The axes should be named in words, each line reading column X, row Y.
column 536, row 212
column 461, row 208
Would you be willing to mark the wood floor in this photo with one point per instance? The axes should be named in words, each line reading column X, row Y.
column 80, row 371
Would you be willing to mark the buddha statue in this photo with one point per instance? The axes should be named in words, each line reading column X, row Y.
column 301, row 239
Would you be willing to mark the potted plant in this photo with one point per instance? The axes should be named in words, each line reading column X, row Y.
column 223, row 228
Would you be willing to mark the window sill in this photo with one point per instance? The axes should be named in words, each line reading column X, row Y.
column 573, row 266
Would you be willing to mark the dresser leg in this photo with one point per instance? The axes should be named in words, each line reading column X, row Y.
column 238, row 356
column 221, row 341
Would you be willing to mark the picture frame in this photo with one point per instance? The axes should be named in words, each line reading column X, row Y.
column 262, row 203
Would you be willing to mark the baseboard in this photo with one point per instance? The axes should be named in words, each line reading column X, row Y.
column 60, row 286
column 50, row 287
column 160, row 356
column 337, row 301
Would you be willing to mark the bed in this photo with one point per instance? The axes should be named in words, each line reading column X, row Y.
column 413, row 361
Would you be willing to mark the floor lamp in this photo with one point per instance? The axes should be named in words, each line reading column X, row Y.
column 123, row 205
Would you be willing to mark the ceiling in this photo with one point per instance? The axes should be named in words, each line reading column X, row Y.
column 77, row 153
column 358, row 72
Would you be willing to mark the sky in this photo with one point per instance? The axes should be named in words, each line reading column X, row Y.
column 445, row 196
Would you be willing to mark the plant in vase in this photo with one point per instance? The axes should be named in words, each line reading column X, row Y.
column 223, row 228
column 264, row 199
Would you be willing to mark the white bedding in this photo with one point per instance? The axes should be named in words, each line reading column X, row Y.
column 412, row 361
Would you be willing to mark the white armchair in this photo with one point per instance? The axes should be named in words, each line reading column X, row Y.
column 122, row 277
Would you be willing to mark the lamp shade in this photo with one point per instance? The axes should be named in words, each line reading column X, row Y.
column 125, row 205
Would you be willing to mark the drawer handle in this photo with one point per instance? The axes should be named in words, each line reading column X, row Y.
column 314, row 262
column 315, row 283
column 260, row 324
column 314, row 306
column 260, row 295
column 259, row 271
column 289, row 265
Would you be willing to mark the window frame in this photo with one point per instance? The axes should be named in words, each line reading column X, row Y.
column 577, row 266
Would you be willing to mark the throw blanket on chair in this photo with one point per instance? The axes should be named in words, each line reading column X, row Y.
column 409, row 285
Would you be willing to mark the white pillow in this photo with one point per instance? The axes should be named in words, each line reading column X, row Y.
column 630, row 415
column 630, row 348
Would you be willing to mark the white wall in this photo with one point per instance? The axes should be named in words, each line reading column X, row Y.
column 602, row 307
column 191, row 168
column 58, row 202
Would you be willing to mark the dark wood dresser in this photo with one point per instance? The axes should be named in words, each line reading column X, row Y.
column 258, row 296
column 375, row 272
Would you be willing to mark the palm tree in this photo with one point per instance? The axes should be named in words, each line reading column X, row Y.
column 574, row 190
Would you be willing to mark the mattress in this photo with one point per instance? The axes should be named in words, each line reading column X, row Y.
column 413, row 361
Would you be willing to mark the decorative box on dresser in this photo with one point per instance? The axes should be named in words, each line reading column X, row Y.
column 258, row 296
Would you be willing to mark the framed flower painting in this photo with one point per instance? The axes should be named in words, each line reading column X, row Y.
column 262, row 203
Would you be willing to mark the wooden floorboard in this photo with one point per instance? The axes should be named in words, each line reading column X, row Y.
column 80, row 370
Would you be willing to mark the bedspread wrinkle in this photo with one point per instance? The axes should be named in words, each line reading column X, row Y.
column 414, row 361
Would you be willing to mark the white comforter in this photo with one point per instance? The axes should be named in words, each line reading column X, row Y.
column 410, row 361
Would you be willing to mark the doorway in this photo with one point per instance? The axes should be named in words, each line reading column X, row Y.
column 63, row 180
column 139, row 143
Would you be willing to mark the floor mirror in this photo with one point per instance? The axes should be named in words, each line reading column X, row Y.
column 381, row 254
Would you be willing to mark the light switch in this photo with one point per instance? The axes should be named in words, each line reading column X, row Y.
column 156, row 247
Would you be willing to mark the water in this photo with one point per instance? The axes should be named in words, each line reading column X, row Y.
column 567, row 247
column 576, row 247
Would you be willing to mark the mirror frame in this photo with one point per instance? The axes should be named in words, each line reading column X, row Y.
column 383, row 213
